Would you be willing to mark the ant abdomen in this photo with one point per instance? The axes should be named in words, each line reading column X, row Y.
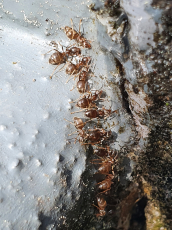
column 91, row 113
column 105, row 168
column 71, row 69
column 101, row 152
column 81, row 86
column 101, row 202
column 83, row 75
column 70, row 33
column 57, row 58
column 105, row 184
column 83, row 103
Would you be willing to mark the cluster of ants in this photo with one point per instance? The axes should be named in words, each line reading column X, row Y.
column 97, row 137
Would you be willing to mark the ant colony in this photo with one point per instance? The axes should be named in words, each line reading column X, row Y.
column 97, row 137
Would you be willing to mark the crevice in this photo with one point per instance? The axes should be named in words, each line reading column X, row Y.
column 125, row 102
column 138, row 219
column 124, row 94
column 45, row 221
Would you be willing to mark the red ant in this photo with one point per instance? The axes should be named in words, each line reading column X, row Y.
column 81, row 86
column 100, row 113
column 106, row 184
column 74, row 69
column 106, row 164
column 95, row 136
column 58, row 58
column 73, row 34
column 78, row 123
column 101, row 206
column 87, row 100
column 82, row 83
column 103, row 152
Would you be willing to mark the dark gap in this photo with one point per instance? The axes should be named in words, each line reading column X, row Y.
column 124, row 94
column 45, row 221
column 138, row 219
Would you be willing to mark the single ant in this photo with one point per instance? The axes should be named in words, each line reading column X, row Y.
column 82, row 81
column 101, row 206
column 87, row 100
column 103, row 152
column 73, row 34
column 106, row 184
column 74, row 69
column 95, row 136
column 78, row 123
column 99, row 113
column 106, row 164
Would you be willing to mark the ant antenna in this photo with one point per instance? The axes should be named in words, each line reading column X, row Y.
column 80, row 26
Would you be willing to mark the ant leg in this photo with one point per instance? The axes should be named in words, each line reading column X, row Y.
column 99, row 147
column 54, row 71
column 72, row 45
column 103, row 191
column 79, row 111
column 92, row 162
column 69, row 121
column 63, row 66
column 75, row 140
column 90, row 143
column 73, row 87
column 76, row 100
column 49, row 52
column 69, row 78
column 96, row 206
column 72, row 133
column 72, row 28
column 80, row 26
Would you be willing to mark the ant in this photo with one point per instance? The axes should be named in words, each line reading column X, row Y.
column 103, row 152
column 87, row 100
column 74, row 69
column 105, row 167
column 106, row 184
column 58, row 58
column 78, row 123
column 95, row 136
column 82, row 82
column 81, row 86
column 106, row 164
column 101, row 206
column 73, row 34
column 100, row 113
